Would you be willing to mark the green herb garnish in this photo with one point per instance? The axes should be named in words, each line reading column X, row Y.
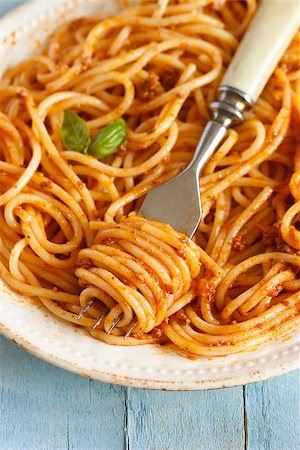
column 108, row 140
column 75, row 133
column 76, row 137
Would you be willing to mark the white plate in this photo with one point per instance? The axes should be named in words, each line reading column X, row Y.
column 37, row 331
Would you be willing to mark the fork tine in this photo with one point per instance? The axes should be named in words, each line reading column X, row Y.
column 85, row 309
column 114, row 324
column 130, row 330
column 104, row 312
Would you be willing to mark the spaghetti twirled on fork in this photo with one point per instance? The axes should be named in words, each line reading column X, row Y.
column 69, row 233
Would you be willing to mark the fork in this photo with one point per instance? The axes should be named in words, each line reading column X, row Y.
column 177, row 202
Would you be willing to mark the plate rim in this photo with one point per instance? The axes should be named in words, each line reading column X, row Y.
column 121, row 380
column 109, row 377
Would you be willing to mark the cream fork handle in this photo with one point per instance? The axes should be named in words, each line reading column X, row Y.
column 261, row 48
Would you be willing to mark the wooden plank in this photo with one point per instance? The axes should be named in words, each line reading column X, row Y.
column 206, row 420
column 6, row 6
column 43, row 407
column 273, row 413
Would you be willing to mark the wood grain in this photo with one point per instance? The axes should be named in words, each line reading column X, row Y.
column 207, row 420
column 45, row 408
column 273, row 413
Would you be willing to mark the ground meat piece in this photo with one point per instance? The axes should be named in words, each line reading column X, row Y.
column 109, row 242
column 149, row 88
column 21, row 94
column 140, row 277
column 184, row 240
column 84, row 263
column 239, row 243
column 270, row 233
column 180, row 252
column 275, row 291
column 206, row 288
column 139, row 335
column 169, row 289
column 282, row 247
column 157, row 332
column 221, row 343
column 271, row 237
column 183, row 317
column 169, row 78
column 45, row 184
column 122, row 150
column 85, row 63
column 75, row 24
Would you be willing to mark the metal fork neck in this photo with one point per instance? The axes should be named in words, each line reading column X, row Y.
column 230, row 106
column 228, row 110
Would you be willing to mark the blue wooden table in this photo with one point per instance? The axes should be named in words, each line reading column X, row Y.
column 45, row 408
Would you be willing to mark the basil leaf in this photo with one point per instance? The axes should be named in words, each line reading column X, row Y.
column 108, row 140
column 75, row 132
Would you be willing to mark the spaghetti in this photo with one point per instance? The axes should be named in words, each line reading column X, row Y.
column 69, row 231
